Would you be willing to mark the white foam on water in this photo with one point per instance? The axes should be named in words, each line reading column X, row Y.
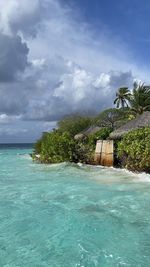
column 113, row 174
column 27, row 156
column 116, row 173
column 143, row 177
column 80, row 164
column 51, row 166
column 140, row 177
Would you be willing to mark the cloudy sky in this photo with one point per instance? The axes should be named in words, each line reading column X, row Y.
column 64, row 56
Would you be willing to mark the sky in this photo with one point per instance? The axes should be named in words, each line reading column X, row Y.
column 59, row 57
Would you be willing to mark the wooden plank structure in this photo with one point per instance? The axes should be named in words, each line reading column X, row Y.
column 104, row 153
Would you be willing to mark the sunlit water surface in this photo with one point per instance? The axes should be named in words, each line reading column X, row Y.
column 71, row 216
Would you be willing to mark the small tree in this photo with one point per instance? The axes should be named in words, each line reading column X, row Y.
column 74, row 124
column 112, row 117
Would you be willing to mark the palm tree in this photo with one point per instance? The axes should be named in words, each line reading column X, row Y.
column 122, row 97
column 140, row 100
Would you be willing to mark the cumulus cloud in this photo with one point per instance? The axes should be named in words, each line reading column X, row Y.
column 52, row 63
column 21, row 16
column 13, row 57
column 5, row 119
column 77, row 91
column 18, row 19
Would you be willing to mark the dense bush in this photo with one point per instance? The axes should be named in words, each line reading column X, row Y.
column 84, row 152
column 134, row 150
column 38, row 144
column 59, row 145
column 74, row 124
column 102, row 134
column 55, row 147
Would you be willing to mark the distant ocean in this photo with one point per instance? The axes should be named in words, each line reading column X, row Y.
column 67, row 215
column 17, row 145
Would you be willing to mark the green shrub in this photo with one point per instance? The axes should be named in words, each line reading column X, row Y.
column 134, row 150
column 102, row 134
column 74, row 124
column 38, row 144
column 55, row 147
column 84, row 152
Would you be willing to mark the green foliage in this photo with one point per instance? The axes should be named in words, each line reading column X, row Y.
column 55, row 147
column 38, row 144
column 122, row 97
column 140, row 100
column 59, row 145
column 112, row 117
column 84, row 152
column 74, row 124
column 102, row 134
column 134, row 150
column 84, row 149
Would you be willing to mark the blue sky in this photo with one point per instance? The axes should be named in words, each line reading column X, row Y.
column 59, row 57
column 127, row 20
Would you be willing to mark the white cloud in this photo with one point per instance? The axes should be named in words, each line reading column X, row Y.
column 102, row 81
column 8, row 119
column 70, row 67
column 18, row 15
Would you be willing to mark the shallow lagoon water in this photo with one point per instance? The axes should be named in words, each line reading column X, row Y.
column 70, row 215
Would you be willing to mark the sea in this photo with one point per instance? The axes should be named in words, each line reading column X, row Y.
column 71, row 215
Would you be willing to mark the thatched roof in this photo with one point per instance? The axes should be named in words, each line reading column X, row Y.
column 79, row 136
column 87, row 132
column 139, row 122
column 91, row 130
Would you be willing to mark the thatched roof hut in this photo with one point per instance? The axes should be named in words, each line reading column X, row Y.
column 91, row 130
column 87, row 132
column 139, row 122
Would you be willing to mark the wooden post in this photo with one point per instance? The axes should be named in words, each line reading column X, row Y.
column 98, row 150
column 104, row 154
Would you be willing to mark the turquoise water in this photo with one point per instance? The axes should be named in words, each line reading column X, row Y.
column 71, row 216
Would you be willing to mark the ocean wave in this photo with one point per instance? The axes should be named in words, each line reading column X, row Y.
column 142, row 177
column 109, row 172
column 24, row 155
column 52, row 165
column 136, row 176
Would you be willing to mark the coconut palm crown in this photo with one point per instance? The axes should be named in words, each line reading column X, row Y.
column 122, row 97
column 140, row 100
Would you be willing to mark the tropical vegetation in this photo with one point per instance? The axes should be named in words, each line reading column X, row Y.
column 75, row 123
column 138, row 100
column 112, row 117
column 55, row 147
column 133, row 151
column 58, row 146
column 122, row 97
